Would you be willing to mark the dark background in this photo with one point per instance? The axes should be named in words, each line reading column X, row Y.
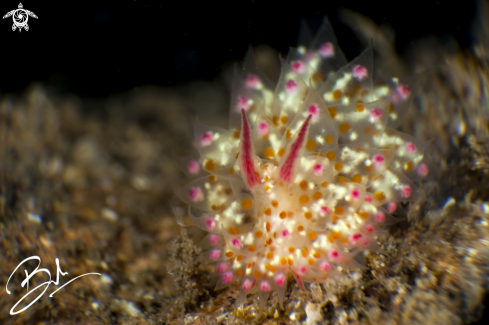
column 96, row 49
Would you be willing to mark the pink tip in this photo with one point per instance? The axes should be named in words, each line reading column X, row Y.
column 333, row 254
column 324, row 266
column 246, row 156
column 195, row 194
column 369, row 227
column 324, row 210
column 406, row 191
column 391, row 207
column 265, row 286
column 355, row 193
column 291, row 86
column 285, row 173
column 299, row 67
column 376, row 113
column 313, row 110
column 221, row 268
column 215, row 254
column 206, row 139
column 301, row 270
column 263, row 128
column 404, row 91
column 243, row 103
column 380, row 217
column 422, row 170
column 237, row 243
column 247, row 284
column 252, row 81
column 280, row 279
column 378, row 160
column 214, row 239
column 368, row 199
column 309, row 56
column 227, row 277
column 193, row 167
column 354, row 238
column 318, row 169
column 285, row 233
column 360, row 72
column 326, row 50
column 210, row 223
column 411, row 148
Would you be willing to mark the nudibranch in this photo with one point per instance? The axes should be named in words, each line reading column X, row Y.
column 308, row 175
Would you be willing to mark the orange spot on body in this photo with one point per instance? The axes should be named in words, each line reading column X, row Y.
column 331, row 155
column 308, row 215
column 280, row 152
column 239, row 258
column 303, row 184
column 316, row 196
column 290, row 261
column 251, row 248
column 239, row 272
column 338, row 166
column 360, row 108
column 268, row 226
column 270, row 268
column 329, row 139
column 332, row 111
column 379, row 196
column 303, row 199
column 342, row 180
column 288, row 135
column 312, row 235
column 310, row 261
column 256, row 274
column 268, row 153
column 268, row 211
column 282, row 214
column 324, row 184
column 344, row 127
column 210, row 165
column 300, row 228
column 258, row 233
column 283, row 260
column 291, row 249
column 246, row 203
column 275, row 120
column 274, row 204
column 284, row 119
column 233, row 230
column 310, row 144
column 229, row 254
column 270, row 255
column 337, row 94
column 356, row 178
column 364, row 215
column 339, row 210
column 409, row 166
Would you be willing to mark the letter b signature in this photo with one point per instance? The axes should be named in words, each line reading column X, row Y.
column 47, row 283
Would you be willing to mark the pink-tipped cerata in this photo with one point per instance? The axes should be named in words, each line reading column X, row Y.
column 246, row 154
column 293, row 155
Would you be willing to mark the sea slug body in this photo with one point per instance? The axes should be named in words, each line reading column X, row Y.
column 309, row 173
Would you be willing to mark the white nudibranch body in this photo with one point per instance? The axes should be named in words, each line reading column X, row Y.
column 309, row 173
